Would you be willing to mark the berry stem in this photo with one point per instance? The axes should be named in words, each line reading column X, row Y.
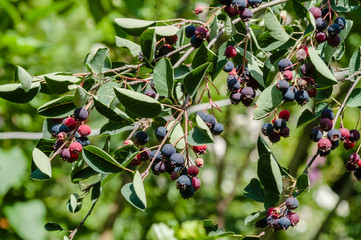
column 310, row 163
column 71, row 236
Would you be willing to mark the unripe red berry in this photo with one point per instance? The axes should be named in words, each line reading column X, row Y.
column 321, row 37
column 73, row 157
column 284, row 114
column 193, row 171
column 288, row 75
column 354, row 157
column 196, row 182
column 84, row 130
column 324, row 145
column 128, row 142
column 62, row 136
column 75, row 147
column 274, row 211
column 348, row 145
column 200, row 149
column 230, row 52
column 70, row 122
column 293, row 217
column 198, row 10
column 312, row 92
column 345, row 133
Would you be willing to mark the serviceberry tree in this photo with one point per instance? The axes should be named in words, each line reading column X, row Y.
column 272, row 62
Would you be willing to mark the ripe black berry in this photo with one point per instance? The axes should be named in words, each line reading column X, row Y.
column 196, row 42
column 209, row 120
column 84, row 141
column 301, row 97
column 307, row 69
column 248, row 93
column 285, row 64
column 357, row 174
column 274, row 137
column 158, row 167
column 291, row 203
column 320, row 24
column 80, row 114
column 55, row 130
column 159, row 156
column 201, row 114
column 184, row 182
column 254, row 3
column 64, row 128
column 189, row 30
column 289, row 95
column 246, row 14
column 326, row 124
column 284, row 223
column 327, row 113
column 228, row 67
column 279, row 124
column 340, row 21
column 141, row 137
column 238, row 4
column 235, row 97
column 164, row 50
column 217, row 128
column 267, row 129
column 334, row 135
column 168, row 150
column 285, row 132
column 233, row 84
column 160, row 133
column 282, row 85
column 334, row 29
column 333, row 40
column 176, row 159
column 316, row 134
column 187, row 193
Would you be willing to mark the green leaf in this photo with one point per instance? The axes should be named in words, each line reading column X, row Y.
column 106, row 94
column 45, row 145
column 112, row 128
column 148, row 44
column 96, row 192
column 269, row 99
column 74, row 203
column 51, row 226
column 299, row 9
column 97, row 60
column 229, row 26
column 262, row 146
column 193, row 80
column 59, row 83
column 133, row 47
column 328, row 50
column 83, row 174
column 60, row 107
column 202, row 56
column 14, row 92
column 165, row 31
column 302, row 184
column 270, row 69
column 80, row 97
column 254, row 191
column 132, row 26
column 139, row 188
column 255, row 71
column 42, row 162
column 100, row 161
column 254, row 217
column 276, row 29
column 130, row 195
column 355, row 98
column 163, row 77
column 344, row 5
column 176, row 134
column 310, row 29
column 198, row 137
column 306, row 117
column 115, row 115
column 355, row 63
column 24, row 78
column 138, row 104
column 321, row 67
column 269, row 173
column 125, row 154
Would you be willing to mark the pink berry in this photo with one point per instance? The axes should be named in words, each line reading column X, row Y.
column 288, row 75
column 316, row 12
column 198, row 10
column 345, row 133
column 70, row 123
column 84, row 130
column 75, row 147
column 284, row 114
column 200, row 149
column 128, row 142
column 199, row 162
column 324, row 145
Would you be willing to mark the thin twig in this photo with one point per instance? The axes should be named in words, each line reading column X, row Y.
column 71, row 236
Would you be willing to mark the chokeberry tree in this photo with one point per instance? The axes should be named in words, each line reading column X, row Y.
column 284, row 63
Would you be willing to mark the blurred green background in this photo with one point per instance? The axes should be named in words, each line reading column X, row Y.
column 47, row 36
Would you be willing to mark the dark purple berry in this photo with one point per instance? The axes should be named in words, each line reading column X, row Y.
column 150, row 93
column 158, row 167
column 248, row 93
column 321, row 37
column 230, row 52
column 334, row 29
column 80, row 114
column 189, row 30
column 141, row 137
column 200, row 32
column 160, row 133
column 196, row 42
column 307, row 69
column 316, row 134
column 320, row 24
column 326, row 124
column 285, row 64
column 65, row 154
column 231, row 12
column 293, row 217
column 334, row 40
column 285, row 132
column 267, row 129
column 354, row 136
column 171, row 39
column 291, row 203
column 327, row 113
column 217, row 128
column 246, row 14
column 58, row 143
column 279, row 124
column 274, row 137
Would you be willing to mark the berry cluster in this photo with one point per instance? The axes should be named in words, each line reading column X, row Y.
column 72, row 132
column 278, row 128
column 333, row 30
column 197, row 35
column 281, row 218
column 240, row 7
column 299, row 88
column 167, row 159
column 241, row 84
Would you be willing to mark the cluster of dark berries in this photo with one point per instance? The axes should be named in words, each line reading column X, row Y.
column 197, row 35
column 240, row 84
column 74, row 128
column 240, row 7
column 299, row 88
column 281, row 218
column 170, row 161
column 211, row 122
column 333, row 30
column 278, row 128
